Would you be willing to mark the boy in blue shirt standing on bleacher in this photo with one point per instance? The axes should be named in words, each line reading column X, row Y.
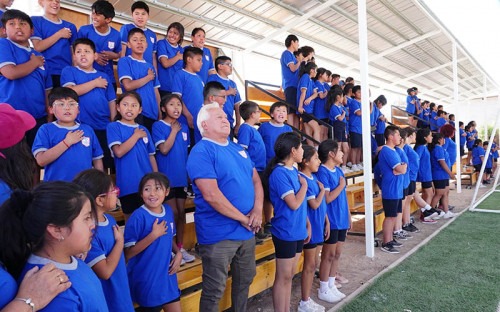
column 24, row 79
column 107, row 40
column 53, row 38
column 65, row 147
column 249, row 137
column 94, row 88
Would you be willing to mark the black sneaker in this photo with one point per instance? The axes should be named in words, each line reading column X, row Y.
column 258, row 241
column 389, row 248
column 430, row 213
column 486, row 182
column 261, row 234
column 267, row 228
column 395, row 243
column 410, row 228
column 414, row 228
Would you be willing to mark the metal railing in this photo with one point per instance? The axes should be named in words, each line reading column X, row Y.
column 409, row 114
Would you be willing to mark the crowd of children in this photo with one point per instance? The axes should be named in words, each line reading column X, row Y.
column 78, row 130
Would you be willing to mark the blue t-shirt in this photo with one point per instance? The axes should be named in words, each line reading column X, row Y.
column 270, row 132
column 94, row 105
column 5, row 192
column 319, row 103
column 251, row 140
column 380, row 124
column 354, row 120
column 308, row 84
column 58, row 55
column 451, row 147
column 424, row 168
column 426, row 114
column 8, row 287
column 440, row 122
column 173, row 165
column 451, row 122
column 108, row 41
column 26, row 93
column 335, row 112
column 477, row 152
column 470, row 140
column 231, row 100
column 489, row 161
column 208, row 64
column 437, row 154
column 289, row 78
column 131, row 167
column 337, row 210
column 316, row 216
column 404, row 159
column 413, row 162
column 287, row 224
column 133, row 69
column 166, row 75
column 346, row 118
column 410, row 107
column 230, row 165
column 392, row 185
column 495, row 153
column 73, row 160
column 85, row 293
column 150, row 39
column 116, row 286
column 150, row 283
column 433, row 121
column 374, row 115
column 462, row 137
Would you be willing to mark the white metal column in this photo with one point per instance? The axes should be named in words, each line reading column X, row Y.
column 484, row 105
column 458, row 165
column 365, row 109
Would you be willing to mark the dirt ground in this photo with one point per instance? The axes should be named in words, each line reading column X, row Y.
column 357, row 267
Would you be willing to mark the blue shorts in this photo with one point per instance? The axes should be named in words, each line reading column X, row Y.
column 339, row 133
column 392, row 207
column 291, row 96
column 287, row 249
column 356, row 140
column 379, row 137
column 336, row 235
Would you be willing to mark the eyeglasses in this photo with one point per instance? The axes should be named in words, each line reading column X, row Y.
column 115, row 190
column 228, row 64
column 221, row 96
column 64, row 105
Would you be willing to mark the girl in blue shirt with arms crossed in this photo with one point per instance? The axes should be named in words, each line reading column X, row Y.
column 307, row 92
column 441, row 173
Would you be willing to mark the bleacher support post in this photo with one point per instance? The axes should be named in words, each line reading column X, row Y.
column 457, row 119
column 365, row 120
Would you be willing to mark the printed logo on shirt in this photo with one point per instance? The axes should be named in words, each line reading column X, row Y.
column 184, row 136
column 207, row 58
column 111, row 45
column 86, row 141
column 152, row 39
column 145, row 140
column 243, row 154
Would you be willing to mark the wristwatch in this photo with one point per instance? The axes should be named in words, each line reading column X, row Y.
column 28, row 302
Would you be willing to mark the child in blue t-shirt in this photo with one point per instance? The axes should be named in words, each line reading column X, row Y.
column 290, row 74
column 149, row 243
column 105, row 257
column 320, row 110
column 171, row 139
column 24, row 80
column 440, row 121
column 307, row 92
column 463, row 138
column 433, row 117
column 249, row 137
column 132, row 149
column 320, row 226
column 170, row 57
column 403, row 218
column 290, row 225
column 441, row 173
column 198, row 40
column 53, row 37
column 135, row 74
column 380, row 122
column 489, row 163
column 338, row 117
column 140, row 16
column 411, row 106
column 107, row 40
column 272, row 129
column 97, row 99
column 65, row 147
column 355, row 129
column 337, row 210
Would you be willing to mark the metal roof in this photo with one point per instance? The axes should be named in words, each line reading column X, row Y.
column 407, row 44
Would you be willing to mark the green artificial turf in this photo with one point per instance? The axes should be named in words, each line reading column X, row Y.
column 492, row 202
column 458, row 270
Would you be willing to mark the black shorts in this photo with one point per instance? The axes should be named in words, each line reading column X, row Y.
column 405, row 192
column 130, row 202
column 305, row 118
column 356, row 140
column 291, row 97
column 157, row 308
column 56, row 81
column 392, row 207
column 379, row 137
column 426, row 184
column 462, row 150
column 339, row 131
column 287, row 249
column 312, row 246
column 265, row 185
column 336, row 235
column 107, row 160
column 412, row 187
column 177, row 192
column 441, row 184
column 487, row 170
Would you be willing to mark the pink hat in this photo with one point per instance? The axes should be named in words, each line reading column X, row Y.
column 13, row 125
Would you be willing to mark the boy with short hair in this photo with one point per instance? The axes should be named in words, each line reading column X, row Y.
column 355, row 128
column 107, row 40
column 135, row 74
column 463, row 137
column 189, row 86
column 290, row 64
column 249, row 137
column 140, row 16
column 24, row 80
column 451, row 119
column 53, row 38
column 95, row 90
column 335, row 79
column 65, row 147
column 440, row 121
column 224, row 68
column 272, row 129
column 392, row 170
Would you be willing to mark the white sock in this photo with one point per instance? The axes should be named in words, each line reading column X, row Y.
column 323, row 286
column 303, row 303
column 427, row 207
column 331, row 282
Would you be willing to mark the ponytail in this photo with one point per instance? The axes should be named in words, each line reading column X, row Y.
column 331, row 98
column 476, row 143
column 435, row 141
column 421, row 135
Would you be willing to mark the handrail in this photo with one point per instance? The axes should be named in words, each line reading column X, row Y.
column 413, row 115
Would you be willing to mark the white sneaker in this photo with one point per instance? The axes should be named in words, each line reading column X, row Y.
column 360, row 165
column 482, row 185
column 328, row 296
column 449, row 215
column 346, row 169
column 349, row 164
column 355, row 168
column 186, row 256
column 337, row 292
column 318, row 307
column 310, row 306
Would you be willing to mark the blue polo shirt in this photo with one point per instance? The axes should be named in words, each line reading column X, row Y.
column 270, row 132
column 58, row 55
column 451, row 147
column 287, row 224
column 108, row 41
column 437, row 154
column 410, row 107
column 5, row 192
column 8, row 286
column 150, row 39
column 462, row 137
column 94, row 105
column 166, row 75
column 26, row 93
column 380, row 124
column 230, row 165
column 319, row 104
column 404, row 159
column 424, row 169
column 426, row 115
column 316, row 216
column 76, row 158
column 489, row 161
column 129, row 67
column 433, row 120
column 208, row 64
column 440, row 122
column 477, row 152
column 190, row 87
column 346, row 118
column 231, row 100
column 307, row 84
column 470, row 140
column 392, row 185
column 251, row 140
column 337, row 209
column 354, row 120
column 173, row 165
column 337, row 111
column 413, row 162
column 374, row 115
column 289, row 78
